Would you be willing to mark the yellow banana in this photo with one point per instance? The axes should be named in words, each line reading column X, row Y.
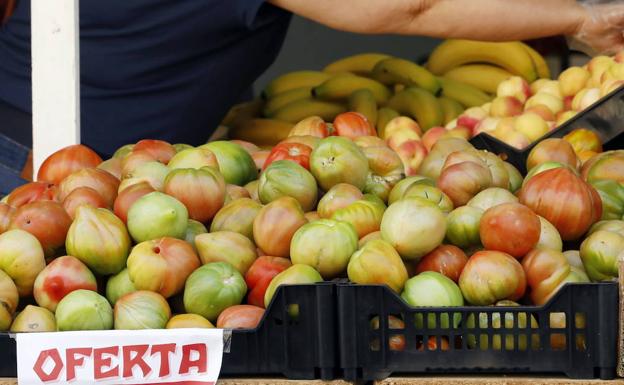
column 303, row 108
column 467, row 95
column 263, row 132
column 543, row 71
column 293, row 80
column 384, row 115
column 243, row 111
column 485, row 77
column 451, row 108
column 420, row 104
column 363, row 101
column 280, row 100
column 512, row 56
column 400, row 71
column 340, row 88
column 361, row 64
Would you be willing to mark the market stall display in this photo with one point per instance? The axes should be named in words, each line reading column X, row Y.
column 375, row 235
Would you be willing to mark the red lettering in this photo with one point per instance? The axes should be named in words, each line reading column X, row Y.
column 100, row 363
column 164, row 350
column 72, row 361
column 201, row 363
column 42, row 359
column 130, row 362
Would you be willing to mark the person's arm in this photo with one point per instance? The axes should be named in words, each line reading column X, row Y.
column 492, row 20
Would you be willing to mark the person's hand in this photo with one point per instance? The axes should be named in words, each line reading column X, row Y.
column 602, row 29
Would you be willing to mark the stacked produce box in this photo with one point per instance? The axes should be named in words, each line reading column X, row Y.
column 389, row 193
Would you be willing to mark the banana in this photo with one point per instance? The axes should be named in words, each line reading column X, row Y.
column 543, row 71
column 400, row 71
column 420, row 104
column 263, row 132
column 465, row 94
column 280, row 100
column 293, row 80
column 339, row 88
column 363, row 101
column 384, row 115
column 512, row 56
column 243, row 111
column 361, row 64
column 451, row 108
column 485, row 77
column 303, row 108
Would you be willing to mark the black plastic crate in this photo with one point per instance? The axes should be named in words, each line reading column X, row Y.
column 589, row 335
column 605, row 117
column 297, row 338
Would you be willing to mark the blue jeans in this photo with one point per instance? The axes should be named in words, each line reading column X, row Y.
column 14, row 125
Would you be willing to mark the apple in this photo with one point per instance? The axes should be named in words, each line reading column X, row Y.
column 572, row 80
column 531, row 125
column 506, row 106
column 515, row 86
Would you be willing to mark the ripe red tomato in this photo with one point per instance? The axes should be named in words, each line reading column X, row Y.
column 65, row 161
column 240, row 317
column 260, row 274
column 352, row 125
column 511, row 228
column 32, row 192
column 564, row 199
column 447, row 260
column 545, row 271
column 297, row 152
column 46, row 220
column 82, row 196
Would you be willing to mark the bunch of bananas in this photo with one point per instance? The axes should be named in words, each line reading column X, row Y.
column 459, row 74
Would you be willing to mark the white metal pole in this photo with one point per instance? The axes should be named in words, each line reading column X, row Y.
column 55, row 76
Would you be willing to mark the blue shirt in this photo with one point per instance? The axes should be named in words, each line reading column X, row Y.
column 162, row 69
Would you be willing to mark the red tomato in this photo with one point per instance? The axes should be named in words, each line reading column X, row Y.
column 65, row 161
column 240, row 317
column 545, row 271
column 511, row 228
column 352, row 125
column 32, row 192
column 432, row 344
column 128, row 196
column 260, row 274
column 276, row 224
column 447, row 260
column 564, row 199
column 46, row 220
column 297, row 152
column 83, row 196
column 159, row 149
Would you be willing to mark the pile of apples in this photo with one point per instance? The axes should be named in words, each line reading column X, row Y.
column 522, row 113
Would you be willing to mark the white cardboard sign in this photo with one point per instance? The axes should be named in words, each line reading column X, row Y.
column 171, row 357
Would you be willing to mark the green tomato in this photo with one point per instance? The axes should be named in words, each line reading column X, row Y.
column 294, row 275
column 612, row 196
column 213, row 288
column 326, row 245
column 339, row 160
column 491, row 197
column 84, row 310
column 600, row 252
column 462, row 227
column 287, row 178
column 614, row 226
column 430, row 193
column 157, row 215
column 399, row 189
column 119, row 285
column 235, row 163
column 432, row 289
column 515, row 178
column 142, row 310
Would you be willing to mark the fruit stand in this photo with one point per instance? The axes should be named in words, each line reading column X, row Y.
column 375, row 221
